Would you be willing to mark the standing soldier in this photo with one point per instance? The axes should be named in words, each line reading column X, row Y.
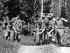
column 38, row 33
column 60, row 30
column 50, row 32
column 7, row 32
column 51, row 26
column 45, row 24
column 53, row 22
column 17, row 27
column 5, row 27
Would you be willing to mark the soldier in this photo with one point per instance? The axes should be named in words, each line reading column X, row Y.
column 39, row 33
column 50, row 32
column 53, row 22
column 51, row 26
column 59, row 29
column 5, row 28
column 45, row 24
column 17, row 27
column 7, row 32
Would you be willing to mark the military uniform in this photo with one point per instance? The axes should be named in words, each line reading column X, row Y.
column 60, row 30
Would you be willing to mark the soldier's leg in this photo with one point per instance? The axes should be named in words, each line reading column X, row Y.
column 58, row 38
column 14, row 36
column 37, row 39
column 5, row 33
column 54, row 38
column 46, row 38
column 41, row 38
column 8, row 36
column 17, row 37
column 11, row 35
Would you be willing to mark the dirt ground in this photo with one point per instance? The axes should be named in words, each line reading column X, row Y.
column 43, row 49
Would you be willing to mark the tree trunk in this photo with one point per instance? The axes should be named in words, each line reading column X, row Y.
column 66, row 8
column 41, row 8
column 60, row 5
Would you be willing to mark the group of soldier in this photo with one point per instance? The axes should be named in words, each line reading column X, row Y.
column 51, row 29
column 10, row 28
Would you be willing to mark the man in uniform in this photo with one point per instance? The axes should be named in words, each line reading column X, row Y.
column 51, row 26
column 60, row 30
column 17, row 27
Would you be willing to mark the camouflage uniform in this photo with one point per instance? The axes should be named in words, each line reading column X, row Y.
column 17, row 27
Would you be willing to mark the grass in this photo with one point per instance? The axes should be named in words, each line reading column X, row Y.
column 7, row 46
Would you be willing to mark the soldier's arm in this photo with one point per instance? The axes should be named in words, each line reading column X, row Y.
column 42, row 31
column 64, row 20
column 43, row 26
column 50, row 31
